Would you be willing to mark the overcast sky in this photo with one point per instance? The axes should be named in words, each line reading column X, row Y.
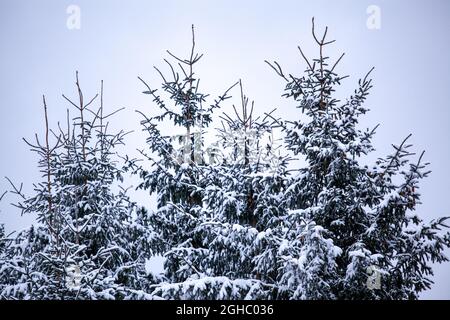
column 120, row 40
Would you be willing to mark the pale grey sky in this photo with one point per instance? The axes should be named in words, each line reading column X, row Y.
column 119, row 40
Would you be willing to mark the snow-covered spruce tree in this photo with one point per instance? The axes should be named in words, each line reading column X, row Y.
column 361, row 221
column 85, row 245
column 204, row 224
column 25, row 274
column 241, row 206
column 243, row 194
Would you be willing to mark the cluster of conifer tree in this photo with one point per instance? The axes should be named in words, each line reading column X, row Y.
column 237, row 219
